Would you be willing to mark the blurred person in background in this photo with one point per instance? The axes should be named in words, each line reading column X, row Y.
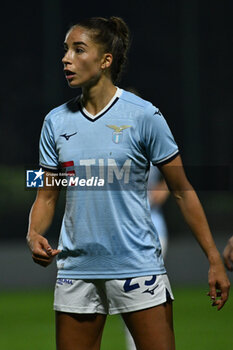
column 109, row 258
column 158, row 193
column 228, row 254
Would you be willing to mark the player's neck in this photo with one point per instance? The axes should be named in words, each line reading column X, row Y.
column 95, row 98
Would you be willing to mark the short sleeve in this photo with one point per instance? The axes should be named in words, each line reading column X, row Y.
column 48, row 157
column 159, row 142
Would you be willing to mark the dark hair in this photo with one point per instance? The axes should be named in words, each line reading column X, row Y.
column 113, row 35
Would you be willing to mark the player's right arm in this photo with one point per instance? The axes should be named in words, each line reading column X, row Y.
column 40, row 218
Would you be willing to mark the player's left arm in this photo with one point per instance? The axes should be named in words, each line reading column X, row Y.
column 194, row 215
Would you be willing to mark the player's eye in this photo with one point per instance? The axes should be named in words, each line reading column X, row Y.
column 65, row 48
column 79, row 50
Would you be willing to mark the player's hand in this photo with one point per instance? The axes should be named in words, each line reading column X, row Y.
column 219, row 285
column 42, row 252
column 228, row 254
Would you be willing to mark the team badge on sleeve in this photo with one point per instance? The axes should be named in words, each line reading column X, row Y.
column 117, row 134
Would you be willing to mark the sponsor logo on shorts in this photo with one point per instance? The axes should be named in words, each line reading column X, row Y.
column 151, row 291
column 62, row 281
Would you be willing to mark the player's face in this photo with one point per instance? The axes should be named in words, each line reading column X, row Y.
column 83, row 59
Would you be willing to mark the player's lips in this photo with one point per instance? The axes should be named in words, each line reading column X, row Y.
column 69, row 74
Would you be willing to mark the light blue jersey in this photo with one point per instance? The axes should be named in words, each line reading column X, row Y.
column 107, row 230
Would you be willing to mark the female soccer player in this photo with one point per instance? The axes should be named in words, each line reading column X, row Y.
column 109, row 260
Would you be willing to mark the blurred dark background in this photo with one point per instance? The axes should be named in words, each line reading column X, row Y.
column 180, row 59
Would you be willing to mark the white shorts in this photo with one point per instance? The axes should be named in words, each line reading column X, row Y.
column 111, row 296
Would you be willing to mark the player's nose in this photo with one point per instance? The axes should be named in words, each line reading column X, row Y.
column 67, row 59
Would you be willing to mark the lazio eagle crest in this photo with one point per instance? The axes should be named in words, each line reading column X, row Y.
column 117, row 134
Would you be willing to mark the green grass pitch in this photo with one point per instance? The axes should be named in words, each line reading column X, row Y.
column 27, row 322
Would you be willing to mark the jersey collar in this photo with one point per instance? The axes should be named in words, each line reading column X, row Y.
column 92, row 117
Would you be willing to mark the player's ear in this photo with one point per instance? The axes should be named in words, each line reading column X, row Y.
column 106, row 61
